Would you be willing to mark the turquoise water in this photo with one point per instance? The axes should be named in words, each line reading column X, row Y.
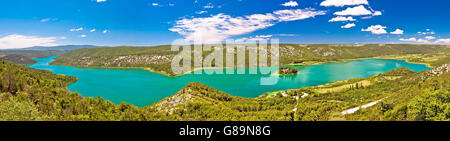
column 141, row 88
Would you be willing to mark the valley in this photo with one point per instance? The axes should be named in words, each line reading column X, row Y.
column 384, row 90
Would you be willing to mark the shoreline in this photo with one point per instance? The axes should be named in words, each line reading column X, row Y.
column 270, row 93
column 308, row 63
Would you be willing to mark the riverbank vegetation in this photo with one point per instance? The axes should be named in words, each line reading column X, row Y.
column 287, row 71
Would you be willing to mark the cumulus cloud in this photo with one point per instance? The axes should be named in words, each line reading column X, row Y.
column 83, row 36
column 349, row 25
column 105, row 31
column 22, row 41
column 341, row 19
column 93, row 30
column 430, row 37
column 443, row 41
column 76, row 29
column 423, row 41
column 155, row 4
column 101, row 0
column 354, row 11
column 377, row 13
column 341, row 3
column 376, row 29
column 220, row 27
column 412, row 39
column 290, row 4
column 397, row 32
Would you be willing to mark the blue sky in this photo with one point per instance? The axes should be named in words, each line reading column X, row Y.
column 158, row 22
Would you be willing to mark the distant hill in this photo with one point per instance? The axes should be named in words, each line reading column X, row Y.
column 19, row 59
column 159, row 58
column 27, row 56
column 65, row 48
column 33, row 53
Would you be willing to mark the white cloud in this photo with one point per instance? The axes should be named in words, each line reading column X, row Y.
column 297, row 14
column 443, row 41
column 48, row 19
column 171, row 4
column 93, row 30
column 412, row 39
column 422, row 41
column 341, row 19
column 22, row 41
column 427, row 32
column 341, row 3
column 105, row 31
column 397, row 32
column 376, row 29
column 349, row 25
column 290, row 3
column 430, row 37
column 220, row 27
column 155, row 4
column 201, row 12
column 76, row 29
column 101, row 0
column 83, row 36
column 377, row 13
column 354, row 11
column 367, row 17
column 208, row 6
column 258, row 37
column 45, row 20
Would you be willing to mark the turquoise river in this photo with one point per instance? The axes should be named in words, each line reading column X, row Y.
column 141, row 87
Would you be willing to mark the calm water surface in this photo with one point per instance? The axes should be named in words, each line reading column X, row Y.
column 141, row 88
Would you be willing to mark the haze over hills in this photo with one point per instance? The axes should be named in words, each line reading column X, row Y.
column 17, row 58
column 26, row 55
column 65, row 47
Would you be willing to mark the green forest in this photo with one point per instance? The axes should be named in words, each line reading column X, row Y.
column 158, row 59
column 28, row 94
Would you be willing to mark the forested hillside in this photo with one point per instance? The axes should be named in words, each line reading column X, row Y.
column 30, row 94
column 159, row 58
column 27, row 56
column 60, row 48
column 19, row 59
